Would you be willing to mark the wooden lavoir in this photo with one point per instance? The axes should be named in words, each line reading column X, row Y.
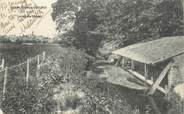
column 152, row 63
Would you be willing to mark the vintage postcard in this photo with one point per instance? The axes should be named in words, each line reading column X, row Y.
column 91, row 57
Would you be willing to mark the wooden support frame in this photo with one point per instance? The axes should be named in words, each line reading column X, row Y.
column 148, row 82
column 159, row 80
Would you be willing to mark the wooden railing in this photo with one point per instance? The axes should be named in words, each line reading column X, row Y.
column 39, row 60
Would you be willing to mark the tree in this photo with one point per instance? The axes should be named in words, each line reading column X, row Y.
column 122, row 21
column 170, row 18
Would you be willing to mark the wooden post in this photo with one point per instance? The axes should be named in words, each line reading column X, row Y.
column 38, row 60
column 170, row 78
column 132, row 64
column 38, row 66
column 27, row 72
column 146, row 71
column 123, row 62
column 5, row 80
column 159, row 80
column 152, row 78
column 2, row 64
column 43, row 56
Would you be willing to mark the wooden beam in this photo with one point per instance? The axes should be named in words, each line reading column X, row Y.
column 149, row 82
column 159, row 80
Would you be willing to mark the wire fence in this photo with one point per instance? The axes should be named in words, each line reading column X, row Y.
column 23, row 72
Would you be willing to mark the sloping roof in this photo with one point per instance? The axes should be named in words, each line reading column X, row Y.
column 154, row 51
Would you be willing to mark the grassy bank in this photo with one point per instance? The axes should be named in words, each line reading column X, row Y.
column 64, row 86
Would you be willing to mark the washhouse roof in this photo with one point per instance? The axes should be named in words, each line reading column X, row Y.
column 154, row 51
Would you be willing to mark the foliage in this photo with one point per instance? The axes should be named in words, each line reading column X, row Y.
column 97, row 95
column 37, row 95
column 4, row 39
column 24, row 39
column 125, row 21
column 22, row 97
column 170, row 18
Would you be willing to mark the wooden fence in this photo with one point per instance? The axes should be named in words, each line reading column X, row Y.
column 40, row 62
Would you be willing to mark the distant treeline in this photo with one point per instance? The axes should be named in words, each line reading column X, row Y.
column 24, row 39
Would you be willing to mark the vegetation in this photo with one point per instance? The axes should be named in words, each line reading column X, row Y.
column 121, row 21
column 4, row 39
column 90, row 27
column 63, row 85
column 24, row 39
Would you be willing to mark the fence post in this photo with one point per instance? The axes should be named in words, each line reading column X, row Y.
column 27, row 72
column 5, row 80
column 2, row 64
column 43, row 56
column 38, row 66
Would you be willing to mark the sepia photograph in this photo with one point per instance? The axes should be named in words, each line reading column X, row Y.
column 91, row 56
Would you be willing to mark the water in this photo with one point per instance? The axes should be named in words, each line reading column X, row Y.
column 15, row 54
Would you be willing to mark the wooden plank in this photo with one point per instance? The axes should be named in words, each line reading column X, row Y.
column 160, row 78
column 149, row 82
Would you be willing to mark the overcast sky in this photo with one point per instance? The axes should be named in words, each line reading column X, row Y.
column 42, row 26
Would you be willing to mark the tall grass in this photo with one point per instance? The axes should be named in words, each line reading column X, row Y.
column 63, row 86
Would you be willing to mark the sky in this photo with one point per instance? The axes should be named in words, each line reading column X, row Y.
column 42, row 26
column 46, row 26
